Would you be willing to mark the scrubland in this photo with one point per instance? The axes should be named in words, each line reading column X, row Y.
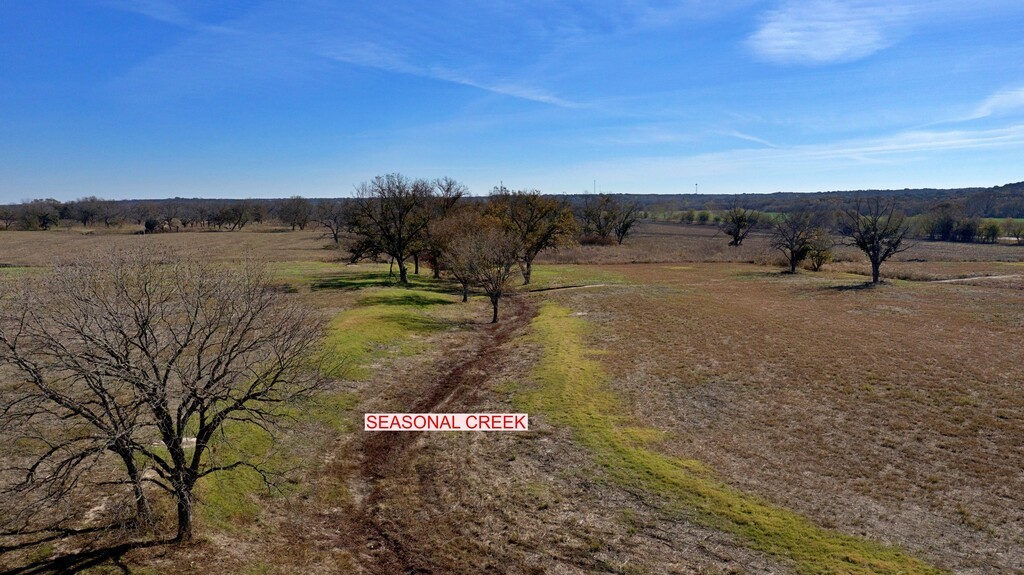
column 692, row 410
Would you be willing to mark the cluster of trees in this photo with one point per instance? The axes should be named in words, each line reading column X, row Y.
column 953, row 221
column 701, row 217
column 946, row 221
column 603, row 216
column 124, row 375
column 478, row 243
column 874, row 226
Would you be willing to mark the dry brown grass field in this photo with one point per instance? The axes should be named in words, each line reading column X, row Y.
column 694, row 411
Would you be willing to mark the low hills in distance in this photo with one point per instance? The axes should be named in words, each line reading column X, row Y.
column 993, row 202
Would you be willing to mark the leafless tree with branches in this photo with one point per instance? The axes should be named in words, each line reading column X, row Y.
column 484, row 253
column 148, row 357
column 792, row 234
column 876, row 228
column 390, row 214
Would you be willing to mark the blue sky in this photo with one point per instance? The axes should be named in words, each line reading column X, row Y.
column 244, row 98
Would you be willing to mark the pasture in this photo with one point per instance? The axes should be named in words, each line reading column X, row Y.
column 693, row 409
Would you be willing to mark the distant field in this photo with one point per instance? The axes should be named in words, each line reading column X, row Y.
column 893, row 413
column 674, row 242
column 271, row 244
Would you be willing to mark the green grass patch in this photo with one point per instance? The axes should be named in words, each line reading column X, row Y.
column 572, row 391
column 380, row 322
column 303, row 272
column 229, row 499
column 9, row 271
column 383, row 320
column 549, row 276
column 380, row 275
column 340, row 276
column 414, row 299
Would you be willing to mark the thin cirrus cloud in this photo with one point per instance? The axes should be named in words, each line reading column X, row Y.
column 1000, row 103
column 159, row 10
column 258, row 47
column 827, row 31
column 892, row 149
column 379, row 58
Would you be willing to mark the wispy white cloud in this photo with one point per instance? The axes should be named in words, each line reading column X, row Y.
column 377, row 57
column 828, row 31
column 915, row 142
column 748, row 137
column 641, row 135
column 262, row 41
column 776, row 168
column 167, row 12
column 1000, row 103
column 160, row 10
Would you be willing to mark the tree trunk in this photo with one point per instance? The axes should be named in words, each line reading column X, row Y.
column 874, row 271
column 403, row 272
column 792, row 265
column 143, row 513
column 527, row 271
column 436, row 266
column 465, row 292
column 184, row 515
column 494, row 302
column 416, row 264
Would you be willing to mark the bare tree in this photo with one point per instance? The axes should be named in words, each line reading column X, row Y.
column 485, row 254
column 40, row 214
column 597, row 216
column 444, row 233
column 148, row 357
column 85, row 210
column 111, row 213
column 389, row 214
column 737, row 223
column 8, row 216
column 627, row 217
column 448, row 192
column 333, row 216
column 876, row 228
column 296, row 212
column 792, row 234
column 538, row 223
column 819, row 251
column 1013, row 228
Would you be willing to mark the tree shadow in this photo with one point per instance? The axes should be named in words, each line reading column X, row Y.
column 861, row 286
column 361, row 280
column 406, row 300
column 86, row 559
column 417, row 324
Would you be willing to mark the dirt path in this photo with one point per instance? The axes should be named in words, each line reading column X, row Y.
column 975, row 278
column 382, row 451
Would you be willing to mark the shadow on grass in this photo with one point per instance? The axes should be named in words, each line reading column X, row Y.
column 416, row 324
column 758, row 275
column 853, row 287
column 86, row 559
column 417, row 300
column 362, row 280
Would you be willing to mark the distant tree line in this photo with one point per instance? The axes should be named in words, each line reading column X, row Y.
column 954, row 221
column 996, row 202
column 874, row 225
column 171, row 215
